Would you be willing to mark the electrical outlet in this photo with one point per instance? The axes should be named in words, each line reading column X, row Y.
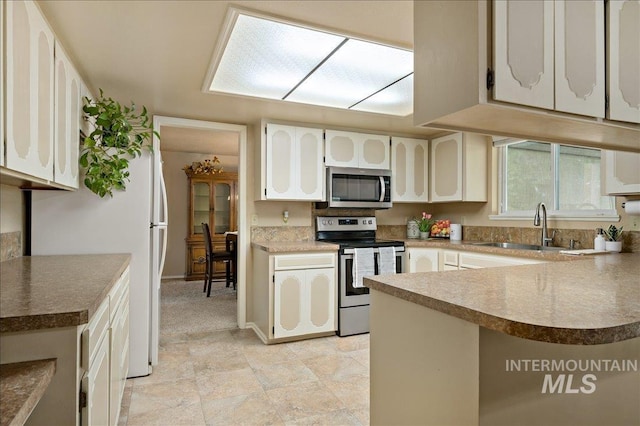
column 254, row 219
column 635, row 223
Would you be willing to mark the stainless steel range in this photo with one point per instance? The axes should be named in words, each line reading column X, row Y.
column 353, row 233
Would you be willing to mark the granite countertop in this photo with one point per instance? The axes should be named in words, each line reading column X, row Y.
column 22, row 384
column 294, row 246
column 592, row 300
column 38, row 292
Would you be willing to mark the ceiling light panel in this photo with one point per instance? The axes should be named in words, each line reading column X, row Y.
column 396, row 99
column 267, row 59
column 357, row 70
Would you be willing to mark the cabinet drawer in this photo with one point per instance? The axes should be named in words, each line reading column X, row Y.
column 93, row 334
column 117, row 293
column 304, row 261
column 474, row 261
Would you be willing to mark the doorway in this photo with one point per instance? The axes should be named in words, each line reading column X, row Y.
column 195, row 136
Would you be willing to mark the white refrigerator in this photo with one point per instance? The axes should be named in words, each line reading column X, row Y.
column 133, row 221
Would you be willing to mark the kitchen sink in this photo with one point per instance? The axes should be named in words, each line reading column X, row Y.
column 516, row 246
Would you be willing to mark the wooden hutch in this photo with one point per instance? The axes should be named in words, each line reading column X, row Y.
column 212, row 199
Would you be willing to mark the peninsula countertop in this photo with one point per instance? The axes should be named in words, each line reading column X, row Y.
column 588, row 301
column 294, row 246
column 39, row 292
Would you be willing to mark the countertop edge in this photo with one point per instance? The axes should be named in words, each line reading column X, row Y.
column 536, row 332
column 23, row 384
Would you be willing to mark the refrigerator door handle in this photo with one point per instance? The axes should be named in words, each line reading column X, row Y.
column 163, row 254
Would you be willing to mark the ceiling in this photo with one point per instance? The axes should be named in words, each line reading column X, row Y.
column 157, row 54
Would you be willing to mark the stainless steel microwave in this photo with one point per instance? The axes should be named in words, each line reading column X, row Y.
column 358, row 188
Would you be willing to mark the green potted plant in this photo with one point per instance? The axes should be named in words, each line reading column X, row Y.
column 424, row 225
column 614, row 237
column 119, row 134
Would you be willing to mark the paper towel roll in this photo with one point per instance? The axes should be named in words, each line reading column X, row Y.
column 455, row 232
column 632, row 207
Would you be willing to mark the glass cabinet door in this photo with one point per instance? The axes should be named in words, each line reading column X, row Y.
column 222, row 208
column 201, row 203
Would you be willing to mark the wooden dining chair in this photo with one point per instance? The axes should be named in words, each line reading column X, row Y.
column 212, row 257
column 232, row 247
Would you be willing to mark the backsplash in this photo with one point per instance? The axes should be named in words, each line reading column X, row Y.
column 583, row 237
column 10, row 245
column 282, row 233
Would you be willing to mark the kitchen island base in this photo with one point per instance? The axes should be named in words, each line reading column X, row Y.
column 430, row 368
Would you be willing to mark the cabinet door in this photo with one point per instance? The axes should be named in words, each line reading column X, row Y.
column 523, row 52
column 341, row 149
column 423, row 260
column 281, row 159
column 294, row 163
column 373, row 151
column 119, row 353
column 409, row 170
column 446, row 168
column 623, row 50
column 304, row 302
column 309, row 183
column 201, row 206
column 2, row 55
column 67, row 117
column 350, row 149
column 289, row 304
column 321, row 299
column 222, row 212
column 621, row 172
column 30, row 92
column 95, row 384
column 579, row 57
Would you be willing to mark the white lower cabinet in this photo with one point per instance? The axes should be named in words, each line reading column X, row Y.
column 91, row 363
column 95, row 387
column 458, row 260
column 423, row 259
column 304, row 302
column 294, row 296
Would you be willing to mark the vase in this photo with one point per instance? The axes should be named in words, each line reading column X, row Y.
column 614, row 246
column 424, row 235
column 412, row 229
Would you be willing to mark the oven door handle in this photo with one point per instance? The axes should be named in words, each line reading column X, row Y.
column 383, row 189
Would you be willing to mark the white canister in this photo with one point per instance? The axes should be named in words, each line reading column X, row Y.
column 455, row 232
column 412, row 229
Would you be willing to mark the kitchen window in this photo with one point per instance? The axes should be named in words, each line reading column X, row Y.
column 566, row 178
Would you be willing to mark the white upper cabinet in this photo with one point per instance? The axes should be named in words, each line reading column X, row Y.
column 527, row 69
column 523, row 55
column 2, row 54
column 29, row 90
column 409, row 170
column 534, row 38
column 350, row 149
column 68, row 113
column 579, row 57
column 459, row 168
column 620, row 173
column 623, row 49
column 293, row 163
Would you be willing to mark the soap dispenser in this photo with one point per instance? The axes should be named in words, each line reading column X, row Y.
column 599, row 242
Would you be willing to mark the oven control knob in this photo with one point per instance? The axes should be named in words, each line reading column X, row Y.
column 331, row 222
column 370, row 221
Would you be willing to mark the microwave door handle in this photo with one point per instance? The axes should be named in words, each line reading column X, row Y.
column 383, row 189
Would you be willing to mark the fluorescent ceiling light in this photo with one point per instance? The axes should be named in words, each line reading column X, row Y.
column 276, row 60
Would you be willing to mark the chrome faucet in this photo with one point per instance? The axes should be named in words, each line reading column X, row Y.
column 544, row 240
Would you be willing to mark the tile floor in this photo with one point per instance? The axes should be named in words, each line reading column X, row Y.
column 230, row 377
